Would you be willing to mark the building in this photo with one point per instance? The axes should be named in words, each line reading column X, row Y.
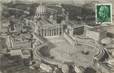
column 21, row 41
column 50, row 29
column 50, row 26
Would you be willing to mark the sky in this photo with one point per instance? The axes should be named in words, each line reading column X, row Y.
column 76, row 2
column 73, row 2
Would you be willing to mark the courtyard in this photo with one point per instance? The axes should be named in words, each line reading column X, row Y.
column 81, row 55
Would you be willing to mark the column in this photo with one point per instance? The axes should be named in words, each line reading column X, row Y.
column 57, row 30
column 50, row 32
column 42, row 31
column 45, row 32
column 53, row 32
column 62, row 29
column 39, row 31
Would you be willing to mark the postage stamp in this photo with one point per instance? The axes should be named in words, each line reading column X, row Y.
column 103, row 13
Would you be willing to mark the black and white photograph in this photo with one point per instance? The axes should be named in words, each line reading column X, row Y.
column 56, row 36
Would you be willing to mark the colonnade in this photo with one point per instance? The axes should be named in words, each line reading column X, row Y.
column 53, row 31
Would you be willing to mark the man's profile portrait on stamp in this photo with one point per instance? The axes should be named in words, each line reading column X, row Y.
column 103, row 13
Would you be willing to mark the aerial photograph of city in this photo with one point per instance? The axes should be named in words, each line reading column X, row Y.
column 56, row 36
